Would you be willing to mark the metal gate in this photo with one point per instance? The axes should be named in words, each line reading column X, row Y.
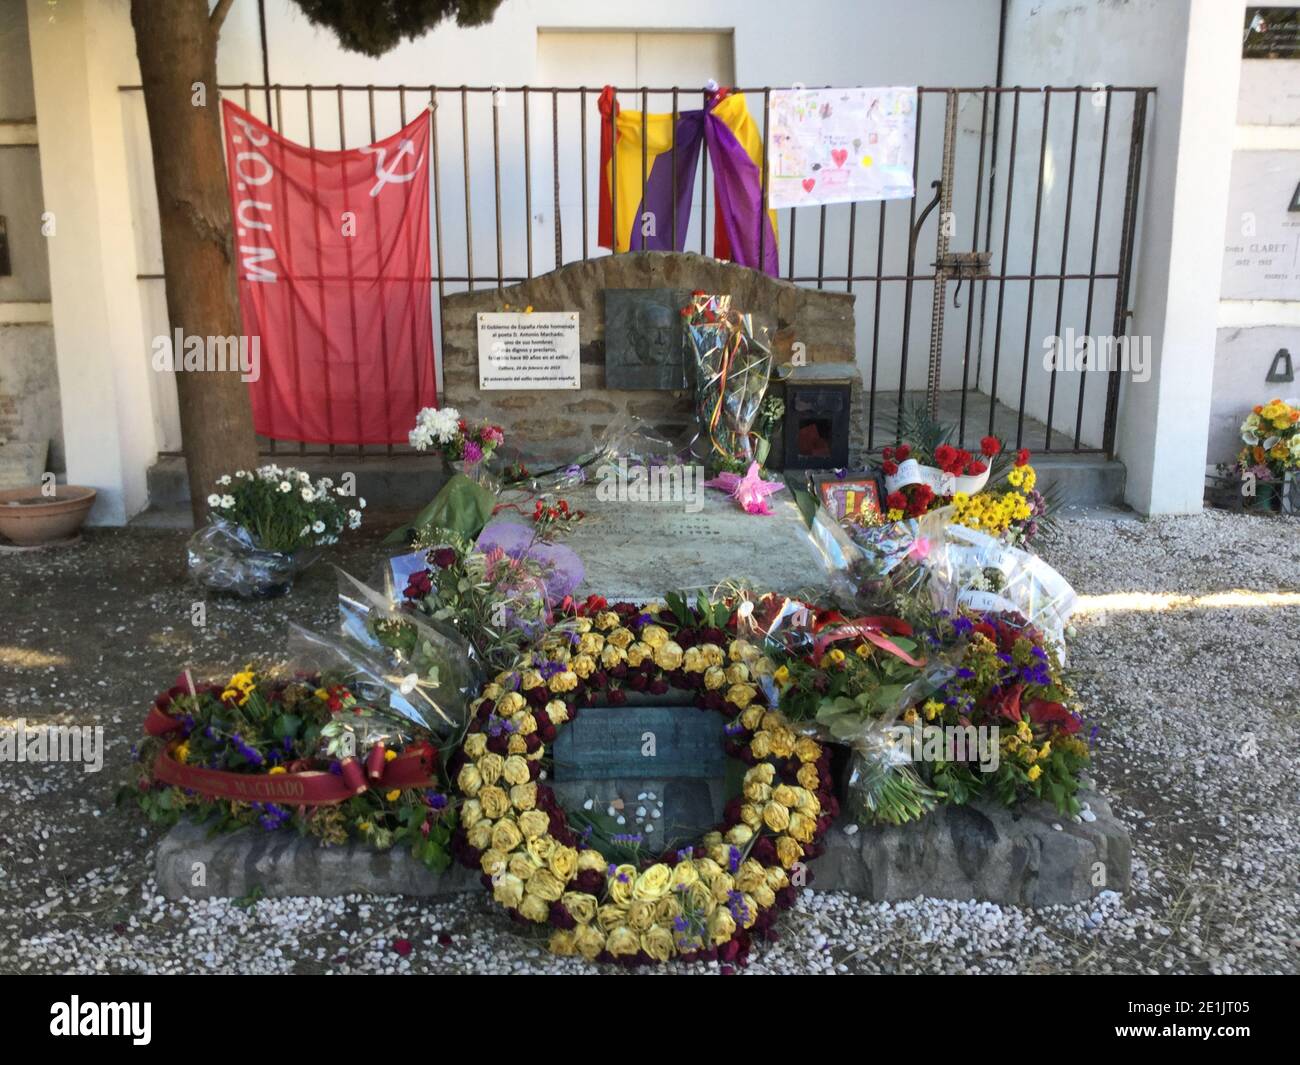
column 1028, row 197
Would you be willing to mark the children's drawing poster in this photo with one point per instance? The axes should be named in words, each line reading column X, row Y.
column 841, row 145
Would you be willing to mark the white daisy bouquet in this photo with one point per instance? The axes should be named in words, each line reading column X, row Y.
column 284, row 510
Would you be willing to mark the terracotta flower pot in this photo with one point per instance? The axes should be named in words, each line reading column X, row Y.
column 29, row 517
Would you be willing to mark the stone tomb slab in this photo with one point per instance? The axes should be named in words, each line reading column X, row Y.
column 637, row 551
column 1031, row 856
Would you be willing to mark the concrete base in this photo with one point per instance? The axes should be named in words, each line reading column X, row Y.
column 981, row 852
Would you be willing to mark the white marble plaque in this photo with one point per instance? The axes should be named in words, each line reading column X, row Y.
column 528, row 351
column 1261, row 255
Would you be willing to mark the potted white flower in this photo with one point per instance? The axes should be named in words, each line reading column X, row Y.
column 267, row 525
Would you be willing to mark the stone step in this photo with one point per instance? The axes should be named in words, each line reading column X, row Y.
column 1030, row 856
column 405, row 482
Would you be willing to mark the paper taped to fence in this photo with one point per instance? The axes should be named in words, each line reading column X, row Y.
column 841, row 145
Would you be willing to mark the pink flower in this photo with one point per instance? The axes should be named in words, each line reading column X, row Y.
column 473, row 453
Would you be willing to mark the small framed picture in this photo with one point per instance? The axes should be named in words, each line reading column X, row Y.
column 851, row 497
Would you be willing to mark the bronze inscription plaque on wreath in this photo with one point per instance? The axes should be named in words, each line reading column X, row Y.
column 644, row 342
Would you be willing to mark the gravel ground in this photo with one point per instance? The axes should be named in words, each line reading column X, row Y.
column 1197, row 751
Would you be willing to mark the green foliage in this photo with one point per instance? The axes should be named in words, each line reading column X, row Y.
column 374, row 27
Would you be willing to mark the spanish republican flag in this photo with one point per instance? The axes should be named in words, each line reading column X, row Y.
column 645, row 216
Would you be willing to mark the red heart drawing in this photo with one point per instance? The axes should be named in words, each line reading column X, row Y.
column 808, row 184
column 839, row 155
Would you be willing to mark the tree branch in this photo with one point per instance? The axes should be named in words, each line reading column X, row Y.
column 218, row 15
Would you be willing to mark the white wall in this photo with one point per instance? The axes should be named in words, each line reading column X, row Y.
column 1252, row 330
column 1189, row 50
column 79, row 55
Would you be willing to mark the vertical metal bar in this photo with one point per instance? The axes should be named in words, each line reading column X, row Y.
column 794, row 217
column 555, row 175
column 379, row 258
column 496, row 174
column 320, row 268
column 761, row 265
column 639, row 222
column 821, row 247
column 1065, row 251
column 675, row 246
column 1092, row 267
column 875, row 330
column 1006, row 236
column 582, row 125
column 1033, row 266
column 1124, row 269
column 934, row 375
column 437, row 208
column 266, row 69
column 613, row 173
column 911, row 261
column 352, row 286
column 704, row 184
column 853, row 229
column 469, row 217
column 528, row 182
column 970, row 295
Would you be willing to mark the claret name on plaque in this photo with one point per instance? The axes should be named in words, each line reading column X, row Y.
column 531, row 350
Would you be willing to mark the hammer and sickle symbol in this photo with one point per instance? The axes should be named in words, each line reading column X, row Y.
column 385, row 174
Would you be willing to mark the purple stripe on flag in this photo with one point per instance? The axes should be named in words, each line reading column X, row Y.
column 739, row 187
column 658, row 194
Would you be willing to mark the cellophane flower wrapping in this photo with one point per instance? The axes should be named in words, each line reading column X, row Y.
column 972, row 570
column 733, row 363
column 881, row 784
column 423, row 672
column 628, row 440
column 223, row 557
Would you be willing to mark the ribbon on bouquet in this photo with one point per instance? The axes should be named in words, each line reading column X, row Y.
column 833, row 628
column 311, row 787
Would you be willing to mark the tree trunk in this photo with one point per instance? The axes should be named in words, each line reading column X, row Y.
column 176, row 43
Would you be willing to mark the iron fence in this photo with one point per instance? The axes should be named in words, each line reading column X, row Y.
column 1049, row 262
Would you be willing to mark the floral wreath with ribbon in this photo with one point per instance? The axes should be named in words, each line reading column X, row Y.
column 708, row 901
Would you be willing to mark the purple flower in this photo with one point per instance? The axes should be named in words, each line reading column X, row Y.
column 473, row 453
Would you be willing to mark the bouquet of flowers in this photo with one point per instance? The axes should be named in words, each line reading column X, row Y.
column 1271, row 433
column 496, row 600
column 265, row 526
column 732, row 367
column 1008, row 683
column 442, row 429
column 923, row 477
column 305, row 753
column 284, row 509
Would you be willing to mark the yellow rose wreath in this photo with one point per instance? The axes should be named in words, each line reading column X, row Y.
column 707, row 901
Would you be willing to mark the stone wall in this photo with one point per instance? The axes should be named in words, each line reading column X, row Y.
column 561, row 424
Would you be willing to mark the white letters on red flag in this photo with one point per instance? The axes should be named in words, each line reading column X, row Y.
column 332, row 251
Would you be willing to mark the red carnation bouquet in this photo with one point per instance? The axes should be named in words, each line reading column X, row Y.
column 925, row 476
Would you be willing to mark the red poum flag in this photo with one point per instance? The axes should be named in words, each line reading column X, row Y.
column 332, row 252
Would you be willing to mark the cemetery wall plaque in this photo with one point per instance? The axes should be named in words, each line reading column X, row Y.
column 1261, row 256
column 530, row 351
column 644, row 343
